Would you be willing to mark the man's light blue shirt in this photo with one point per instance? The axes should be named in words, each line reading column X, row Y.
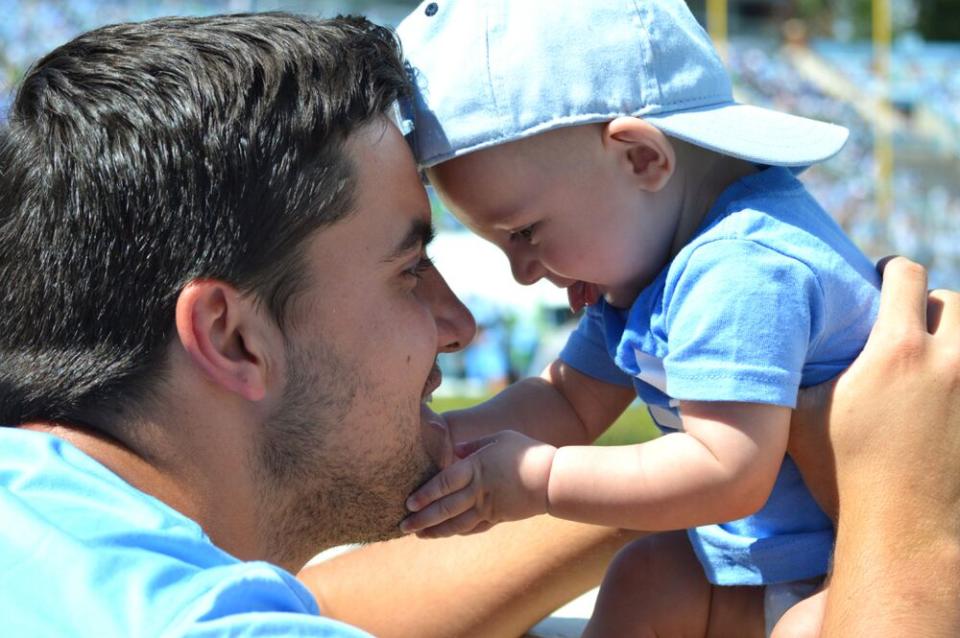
column 768, row 297
column 83, row 553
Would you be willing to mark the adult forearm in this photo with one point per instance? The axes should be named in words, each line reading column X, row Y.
column 494, row 584
column 895, row 574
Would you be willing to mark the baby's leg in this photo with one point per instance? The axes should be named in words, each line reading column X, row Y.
column 656, row 587
column 804, row 619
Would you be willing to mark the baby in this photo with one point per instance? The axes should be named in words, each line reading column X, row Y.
column 599, row 146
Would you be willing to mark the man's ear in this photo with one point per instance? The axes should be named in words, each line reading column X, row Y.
column 224, row 336
column 645, row 151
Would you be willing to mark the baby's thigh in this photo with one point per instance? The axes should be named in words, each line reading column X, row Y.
column 656, row 587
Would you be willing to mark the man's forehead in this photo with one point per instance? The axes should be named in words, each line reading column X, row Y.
column 391, row 214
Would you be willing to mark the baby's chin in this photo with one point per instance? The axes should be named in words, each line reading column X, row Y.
column 623, row 296
column 581, row 294
column 622, row 301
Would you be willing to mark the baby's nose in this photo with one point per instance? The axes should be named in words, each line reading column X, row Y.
column 527, row 269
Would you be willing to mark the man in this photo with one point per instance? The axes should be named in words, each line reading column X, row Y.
column 217, row 329
column 212, row 238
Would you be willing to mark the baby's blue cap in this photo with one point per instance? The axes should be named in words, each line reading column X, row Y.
column 493, row 71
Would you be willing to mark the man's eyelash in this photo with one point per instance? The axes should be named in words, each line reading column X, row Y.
column 423, row 265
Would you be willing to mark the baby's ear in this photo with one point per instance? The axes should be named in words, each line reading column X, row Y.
column 643, row 150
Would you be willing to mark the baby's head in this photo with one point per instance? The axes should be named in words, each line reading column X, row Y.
column 591, row 208
column 537, row 116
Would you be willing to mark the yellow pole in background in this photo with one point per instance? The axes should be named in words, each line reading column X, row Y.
column 717, row 25
column 883, row 144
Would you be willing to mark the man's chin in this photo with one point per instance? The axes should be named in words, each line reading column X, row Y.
column 427, row 414
column 374, row 516
column 390, row 515
column 373, row 537
column 435, row 437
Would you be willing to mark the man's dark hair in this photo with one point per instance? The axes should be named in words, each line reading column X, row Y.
column 139, row 157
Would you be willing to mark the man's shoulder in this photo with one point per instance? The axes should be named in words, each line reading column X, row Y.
column 81, row 548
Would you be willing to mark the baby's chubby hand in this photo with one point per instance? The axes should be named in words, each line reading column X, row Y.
column 497, row 478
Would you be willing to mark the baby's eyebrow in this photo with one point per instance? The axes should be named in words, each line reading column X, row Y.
column 420, row 234
column 513, row 223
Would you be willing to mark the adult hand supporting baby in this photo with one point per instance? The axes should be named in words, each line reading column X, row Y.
column 890, row 428
column 497, row 478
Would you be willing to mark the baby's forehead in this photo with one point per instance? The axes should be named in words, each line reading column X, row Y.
column 553, row 151
column 558, row 143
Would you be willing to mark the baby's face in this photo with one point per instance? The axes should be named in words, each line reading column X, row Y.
column 561, row 206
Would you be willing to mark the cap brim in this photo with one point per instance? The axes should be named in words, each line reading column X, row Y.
column 755, row 134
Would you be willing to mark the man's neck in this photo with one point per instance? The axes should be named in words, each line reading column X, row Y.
column 188, row 477
column 120, row 459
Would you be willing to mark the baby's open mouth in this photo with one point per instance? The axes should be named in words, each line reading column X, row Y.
column 580, row 294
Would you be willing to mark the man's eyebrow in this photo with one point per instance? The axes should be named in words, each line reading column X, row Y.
column 421, row 233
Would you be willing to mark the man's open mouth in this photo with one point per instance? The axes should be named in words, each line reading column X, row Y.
column 433, row 382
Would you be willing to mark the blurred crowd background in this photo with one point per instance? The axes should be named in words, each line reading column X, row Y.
column 889, row 70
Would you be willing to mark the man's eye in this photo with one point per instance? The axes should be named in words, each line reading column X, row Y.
column 423, row 265
column 525, row 234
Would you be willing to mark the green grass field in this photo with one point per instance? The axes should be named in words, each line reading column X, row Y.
column 633, row 426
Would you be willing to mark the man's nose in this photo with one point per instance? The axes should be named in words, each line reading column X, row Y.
column 455, row 325
column 526, row 268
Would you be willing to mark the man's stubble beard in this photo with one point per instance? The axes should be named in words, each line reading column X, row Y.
column 314, row 494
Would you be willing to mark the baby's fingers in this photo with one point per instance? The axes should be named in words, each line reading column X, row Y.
column 446, row 509
column 481, row 527
column 466, row 523
column 453, row 479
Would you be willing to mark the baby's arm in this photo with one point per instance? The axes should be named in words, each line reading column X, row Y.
column 722, row 467
column 561, row 407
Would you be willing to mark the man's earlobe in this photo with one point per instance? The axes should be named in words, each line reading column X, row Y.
column 644, row 149
column 217, row 328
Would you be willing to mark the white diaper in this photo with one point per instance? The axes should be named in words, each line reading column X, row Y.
column 777, row 599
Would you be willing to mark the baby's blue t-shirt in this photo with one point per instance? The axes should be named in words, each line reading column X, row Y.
column 768, row 297
column 83, row 553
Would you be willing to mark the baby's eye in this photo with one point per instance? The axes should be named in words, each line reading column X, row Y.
column 524, row 233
